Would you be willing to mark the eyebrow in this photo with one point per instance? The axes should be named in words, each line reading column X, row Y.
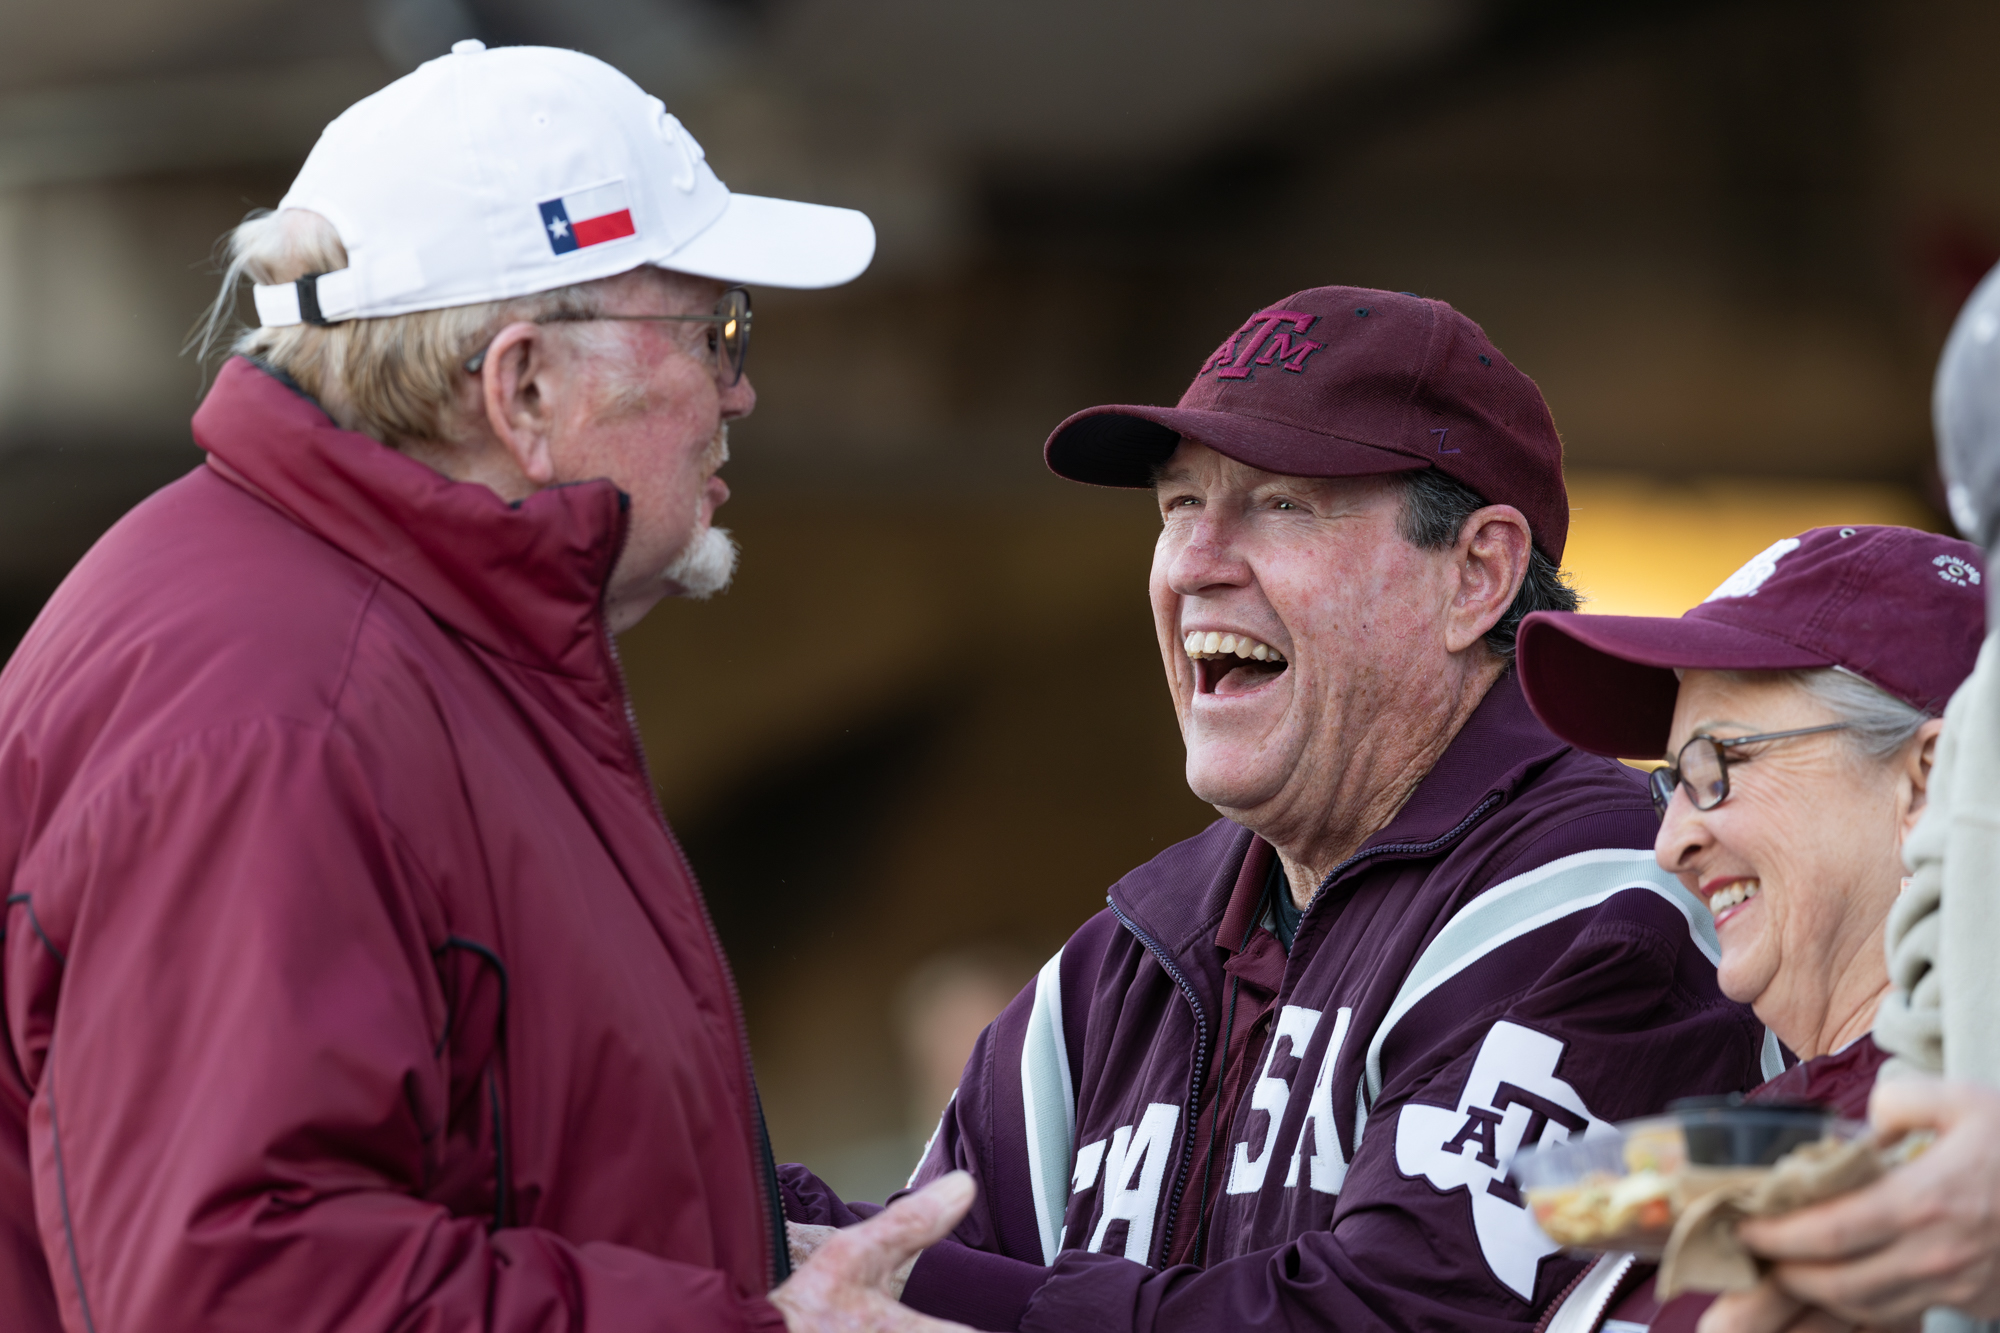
column 1708, row 729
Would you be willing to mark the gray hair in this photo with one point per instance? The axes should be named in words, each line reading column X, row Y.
column 1435, row 508
column 1879, row 724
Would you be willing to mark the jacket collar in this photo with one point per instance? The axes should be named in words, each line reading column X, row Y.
column 1499, row 749
column 525, row 581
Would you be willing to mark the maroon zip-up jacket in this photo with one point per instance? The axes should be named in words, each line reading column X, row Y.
column 352, row 979
column 1503, row 964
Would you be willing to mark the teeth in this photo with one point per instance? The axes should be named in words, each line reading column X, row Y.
column 1741, row 891
column 1214, row 643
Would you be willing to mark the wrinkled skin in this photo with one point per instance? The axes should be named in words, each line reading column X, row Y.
column 1382, row 643
column 640, row 404
column 1820, row 828
column 849, row 1279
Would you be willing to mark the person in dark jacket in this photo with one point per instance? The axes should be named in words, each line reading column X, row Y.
column 352, row 979
column 1277, row 1084
column 1798, row 709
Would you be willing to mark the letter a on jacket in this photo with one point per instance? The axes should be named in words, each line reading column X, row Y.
column 1181, row 1125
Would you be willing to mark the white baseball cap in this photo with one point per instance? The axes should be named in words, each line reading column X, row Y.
column 485, row 175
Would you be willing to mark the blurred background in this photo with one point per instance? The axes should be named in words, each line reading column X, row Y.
column 913, row 746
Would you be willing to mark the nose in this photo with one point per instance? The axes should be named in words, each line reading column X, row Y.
column 1206, row 558
column 1684, row 836
column 738, row 399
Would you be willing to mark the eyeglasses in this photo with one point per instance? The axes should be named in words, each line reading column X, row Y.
column 729, row 339
column 1703, row 766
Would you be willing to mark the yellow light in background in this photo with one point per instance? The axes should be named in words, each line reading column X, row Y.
column 1645, row 547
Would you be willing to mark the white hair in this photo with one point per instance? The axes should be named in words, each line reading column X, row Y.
column 394, row 378
column 705, row 567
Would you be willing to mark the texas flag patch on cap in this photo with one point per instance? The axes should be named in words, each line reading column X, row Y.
column 588, row 217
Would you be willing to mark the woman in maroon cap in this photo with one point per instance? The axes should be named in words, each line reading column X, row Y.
column 1797, row 709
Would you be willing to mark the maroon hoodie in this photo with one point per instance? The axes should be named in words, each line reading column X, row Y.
column 1503, row 964
column 352, row 979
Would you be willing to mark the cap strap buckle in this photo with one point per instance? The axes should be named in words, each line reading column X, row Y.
column 322, row 299
column 308, row 290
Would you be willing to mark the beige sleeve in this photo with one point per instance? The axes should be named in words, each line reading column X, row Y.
column 1910, row 1023
column 1945, row 930
column 1969, row 908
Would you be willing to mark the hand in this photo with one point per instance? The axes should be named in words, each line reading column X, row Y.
column 851, row 1280
column 803, row 1238
column 1765, row 1308
column 1926, row 1234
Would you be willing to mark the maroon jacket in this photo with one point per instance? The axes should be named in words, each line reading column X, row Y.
column 1504, row 963
column 352, row 978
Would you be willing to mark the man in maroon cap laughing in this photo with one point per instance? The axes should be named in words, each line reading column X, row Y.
column 1278, row 1083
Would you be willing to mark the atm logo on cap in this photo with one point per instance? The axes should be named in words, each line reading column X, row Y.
column 1272, row 337
column 588, row 217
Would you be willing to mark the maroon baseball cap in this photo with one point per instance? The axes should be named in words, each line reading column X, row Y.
column 1347, row 382
column 1899, row 608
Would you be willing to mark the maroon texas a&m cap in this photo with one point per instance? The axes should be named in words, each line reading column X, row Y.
column 1899, row 608
column 1347, row 382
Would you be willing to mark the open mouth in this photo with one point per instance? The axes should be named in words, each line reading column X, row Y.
column 1232, row 663
column 1725, row 901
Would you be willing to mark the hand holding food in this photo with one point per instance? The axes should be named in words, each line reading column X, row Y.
column 1628, row 1190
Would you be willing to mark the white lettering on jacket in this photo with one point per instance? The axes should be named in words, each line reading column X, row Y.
column 1271, row 1094
column 1512, row 1099
column 1134, row 1166
column 1088, row 1158
column 1329, row 1163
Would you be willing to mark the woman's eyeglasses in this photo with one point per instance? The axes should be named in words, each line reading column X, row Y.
column 1703, row 766
column 728, row 338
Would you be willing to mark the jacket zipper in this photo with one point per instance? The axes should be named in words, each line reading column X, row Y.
column 1405, row 848
column 1168, row 965
column 1180, row 980
column 769, row 1203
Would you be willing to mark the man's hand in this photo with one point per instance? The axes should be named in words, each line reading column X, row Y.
column 1926, row 1234
column 851, row 1279
column 803, row 1239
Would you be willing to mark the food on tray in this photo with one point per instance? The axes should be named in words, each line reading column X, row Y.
column 1605, row 1207
column 1625, row 1190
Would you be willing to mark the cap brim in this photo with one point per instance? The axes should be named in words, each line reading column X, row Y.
column 1606, row 683
column 1122, row 445
column 778, row 243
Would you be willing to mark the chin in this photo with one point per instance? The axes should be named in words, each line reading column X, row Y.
column 704, row 567
column 1739, row 982
column 1224, row 784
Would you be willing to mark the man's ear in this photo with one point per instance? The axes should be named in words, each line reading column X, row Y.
column 1491, row 560
column 1919, row 756
column 515, row 382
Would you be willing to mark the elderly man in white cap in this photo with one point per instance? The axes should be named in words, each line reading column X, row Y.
column 351, row 978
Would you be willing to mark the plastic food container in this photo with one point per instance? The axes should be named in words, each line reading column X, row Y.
column 1624, row 1190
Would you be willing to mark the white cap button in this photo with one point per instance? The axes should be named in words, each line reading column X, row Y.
column 471, row 46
